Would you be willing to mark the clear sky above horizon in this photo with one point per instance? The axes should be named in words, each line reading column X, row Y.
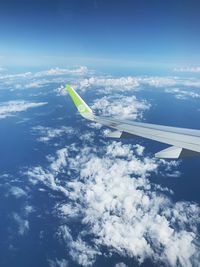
column 104, row 32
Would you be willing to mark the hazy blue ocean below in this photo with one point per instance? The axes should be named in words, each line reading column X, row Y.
column 52, row 161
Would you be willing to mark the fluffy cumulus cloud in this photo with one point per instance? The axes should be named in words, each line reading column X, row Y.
column 128, row 108
column 10, row 108
column 109, row 193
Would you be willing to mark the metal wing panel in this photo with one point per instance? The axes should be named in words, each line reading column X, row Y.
column 178, row 137
column 184, row 131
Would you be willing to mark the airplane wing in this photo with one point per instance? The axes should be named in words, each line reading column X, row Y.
column 183, row 142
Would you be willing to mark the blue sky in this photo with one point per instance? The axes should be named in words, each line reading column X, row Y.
column 99, row 31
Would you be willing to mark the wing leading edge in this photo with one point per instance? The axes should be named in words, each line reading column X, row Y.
column 183, row 142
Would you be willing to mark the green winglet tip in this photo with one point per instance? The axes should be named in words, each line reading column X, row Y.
column 78, row 101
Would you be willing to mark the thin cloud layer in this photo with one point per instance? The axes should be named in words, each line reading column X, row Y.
column 82, row 70
column 182, row 94
column 50, row 72
column 10, row 108
column 109, row 83
column 58, row 263
column 17, row 192
column 78, row 77
column 130, row 83
column 169, row 81
column 194, row 69
column 23, row 224
column 28, row 80
column 48, row 133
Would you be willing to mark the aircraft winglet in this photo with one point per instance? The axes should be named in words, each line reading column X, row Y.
column 82, row 107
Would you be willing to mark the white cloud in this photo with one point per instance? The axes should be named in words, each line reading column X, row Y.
column 182, row 94
column 38, row 174
column 79, row 250
column 61, row 161
column 17, row 192
column 61, row 90
column 103, row 84
column 109, row 83
column 82, row 253
column 47, row 133
column 125, row 107
column 82, row 70
column 39, row 79
column 121, row 264
column 16, row 76
column 112, row 86
column 139, row 149
column 160, row 81
column 58, row 263
column 87, row 136
column 129, row 216
column 28, row 209
column 195, row 69
column 23, row 224
column 11, row 107
column 67, row 210
column 33, row 84
column 120, row 208
column 169, row 82
column 115, row 149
